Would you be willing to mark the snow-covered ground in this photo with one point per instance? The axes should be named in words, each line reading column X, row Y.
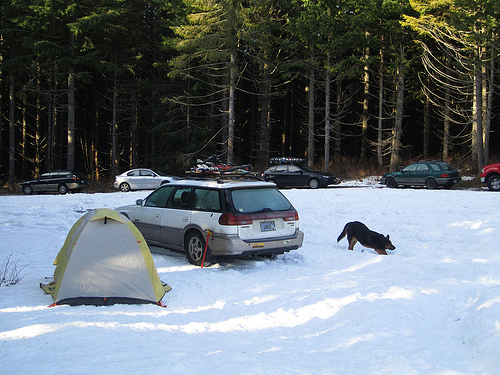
column 430, row 307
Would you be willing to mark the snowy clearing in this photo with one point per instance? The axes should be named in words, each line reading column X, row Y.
column 432, row 306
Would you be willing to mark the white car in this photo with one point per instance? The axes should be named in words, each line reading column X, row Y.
column 141, row 179
column 238, row 217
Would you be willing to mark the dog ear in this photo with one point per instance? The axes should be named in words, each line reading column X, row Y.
column 388, row 237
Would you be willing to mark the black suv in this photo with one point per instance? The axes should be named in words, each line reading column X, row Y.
column 56, row 181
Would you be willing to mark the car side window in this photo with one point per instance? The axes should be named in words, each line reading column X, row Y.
column 294, row 169
column 146, row 173
column 435, row 167
column 206, row 200
column 180, row 198
column 281, row 168
column 410, row 168
column 133, row 173
column 159, row 197
column 422, row 168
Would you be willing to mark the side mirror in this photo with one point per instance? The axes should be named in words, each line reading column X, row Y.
column 138, row 202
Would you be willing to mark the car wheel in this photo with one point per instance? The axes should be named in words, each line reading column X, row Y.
column 313, row 183
column 494, row 183
column 27, row 189
column 124, row 187
column 431, row 183
column 62, row 189
column 195, row 248
column 390, row 183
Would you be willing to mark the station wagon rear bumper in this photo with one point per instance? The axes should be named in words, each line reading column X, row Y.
column 227, row 245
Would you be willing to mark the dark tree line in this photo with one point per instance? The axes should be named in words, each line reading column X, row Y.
column 106, row 86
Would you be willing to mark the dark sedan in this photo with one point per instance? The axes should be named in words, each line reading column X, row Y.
column 295, row 175
column 57, row 182
column 430, row 174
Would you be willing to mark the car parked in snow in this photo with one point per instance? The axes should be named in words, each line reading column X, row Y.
column 292, row 172
column 430, row 174
column 60, row 182
column 237, row 217
column 490, row 175
column 141, row 179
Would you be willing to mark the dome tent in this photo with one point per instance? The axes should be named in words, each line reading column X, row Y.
column 105, row 260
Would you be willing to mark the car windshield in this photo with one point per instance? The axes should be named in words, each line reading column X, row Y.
column 259, row 200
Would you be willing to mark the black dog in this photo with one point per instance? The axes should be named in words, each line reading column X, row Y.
column 357, row 231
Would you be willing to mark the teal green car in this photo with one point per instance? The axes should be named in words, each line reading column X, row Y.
column 430, row 174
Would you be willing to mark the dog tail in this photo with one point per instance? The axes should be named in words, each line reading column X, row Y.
column 342, row 235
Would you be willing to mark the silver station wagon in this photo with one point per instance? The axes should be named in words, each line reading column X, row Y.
column 237, row 217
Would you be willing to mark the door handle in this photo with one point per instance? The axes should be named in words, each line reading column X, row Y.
column 185, row 219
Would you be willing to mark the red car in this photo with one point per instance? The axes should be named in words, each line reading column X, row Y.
column 490, row 174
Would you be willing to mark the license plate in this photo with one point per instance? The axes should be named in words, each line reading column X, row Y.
column 267, row 226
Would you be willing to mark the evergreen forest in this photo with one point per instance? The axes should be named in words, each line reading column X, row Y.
column 105, row 86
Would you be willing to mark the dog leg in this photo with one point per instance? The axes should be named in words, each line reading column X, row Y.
column 352, row 242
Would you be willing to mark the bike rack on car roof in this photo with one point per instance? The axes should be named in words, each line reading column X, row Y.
column 286, row 160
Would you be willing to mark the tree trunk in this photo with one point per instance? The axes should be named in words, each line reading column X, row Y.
column 38, row 128
column 133, row 132
column 24, row 141
column 427, row 127
column 12, row 139
column 489, row 108
column 327, row 117
column 230, row 123
column 114, row 132
column 446, row 125
column 398, row 124
column 265, row 117
column 310, row 143
column 366, row 95
column 380, row 128
column 477, row 122
column 336, row 123
column 71, row 120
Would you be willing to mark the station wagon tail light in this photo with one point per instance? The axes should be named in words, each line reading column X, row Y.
column 230, row 219
column 445, row 175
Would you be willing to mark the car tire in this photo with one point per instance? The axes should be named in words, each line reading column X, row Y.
column 431, row 183
column 313, row 183
column 62, row 189
column 125, row 187
column 494, row 183
column 195, row 248
column 391, row 183
column 27, row 189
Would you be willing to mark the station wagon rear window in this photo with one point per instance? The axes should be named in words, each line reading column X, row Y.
column 259, row 200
